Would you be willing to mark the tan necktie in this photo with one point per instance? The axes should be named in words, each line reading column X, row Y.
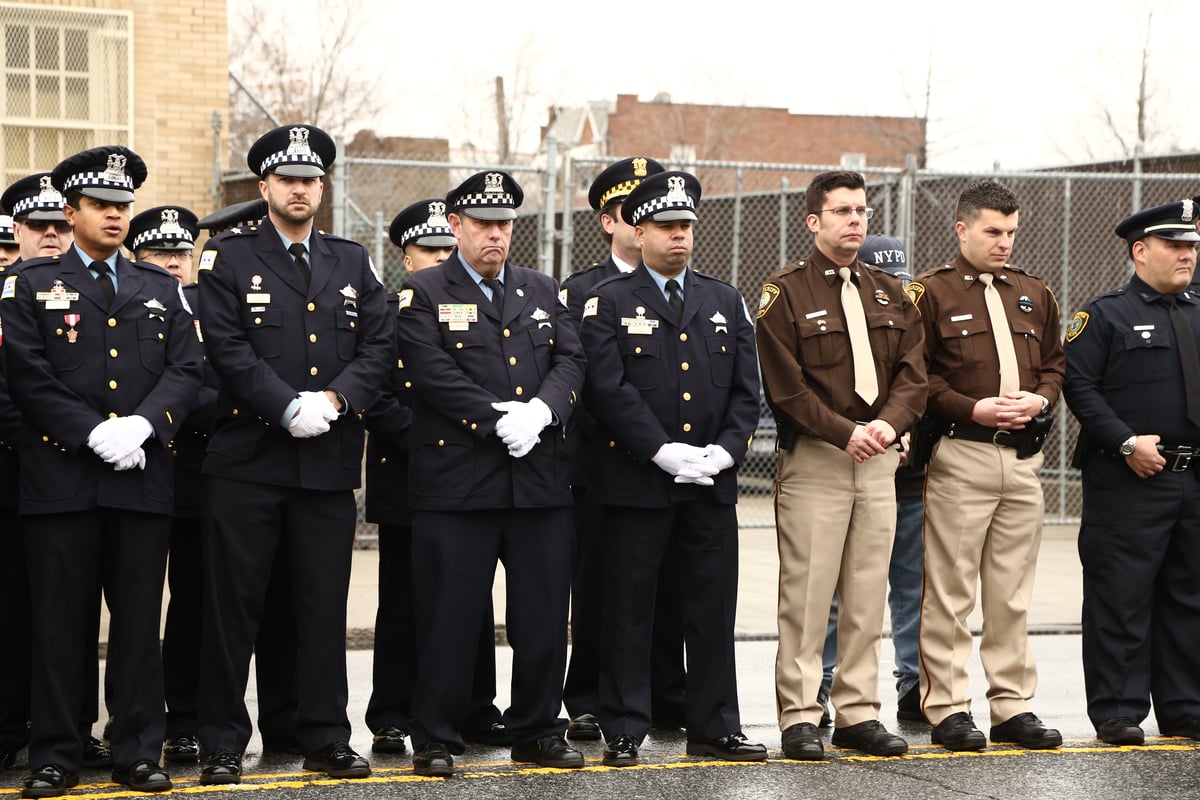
column 1009, row 376
column 866, row 385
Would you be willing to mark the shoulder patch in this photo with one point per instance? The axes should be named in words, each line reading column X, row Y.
column 404, row 298
column 1078, row 323
column 915, row 291
column 207, row 259
column 562, row 295
column 10, row 287
column 769, row 294
column 591, row 307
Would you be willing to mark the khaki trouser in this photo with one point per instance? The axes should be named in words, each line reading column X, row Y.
column 983, row 526
column 835, row 521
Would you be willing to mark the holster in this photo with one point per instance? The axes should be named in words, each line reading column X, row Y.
column 785, row 436
column 925, row 434
column 1033, row 436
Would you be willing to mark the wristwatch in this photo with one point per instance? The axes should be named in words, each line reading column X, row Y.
column 1127, row 446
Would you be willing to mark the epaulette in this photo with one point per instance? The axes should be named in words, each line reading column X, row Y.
column 584, row 271
column 712, row 278
column 793, row 266
column 1015, row 268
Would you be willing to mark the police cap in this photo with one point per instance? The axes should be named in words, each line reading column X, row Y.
column 489, row 195
column 110, row 173
column 250, row 212
column 886, row 253
column 163, row 228
column 298, row 151
column 621, row 178
column 663, row 197
column 423, row 223
column 33, row 197
column 1175, row 221
column 7, row 236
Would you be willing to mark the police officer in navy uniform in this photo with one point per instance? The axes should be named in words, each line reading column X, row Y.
column 672, row 380
column 9, row 250
column 103, row 365
column 497, row 371
column 1133, row 382
column 296, row 327
column 606, row 195
column 423, row 234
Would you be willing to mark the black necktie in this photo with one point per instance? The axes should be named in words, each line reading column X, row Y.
column 298, row 252
column 675, row 298
column 105, row 281
column 1189, row 358
column 497, row 292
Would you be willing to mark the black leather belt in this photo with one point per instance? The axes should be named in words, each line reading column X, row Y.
column 974, row 432
column 1181, row 457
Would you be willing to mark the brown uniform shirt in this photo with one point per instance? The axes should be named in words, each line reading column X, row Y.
column 961, row 352
column 804, row 350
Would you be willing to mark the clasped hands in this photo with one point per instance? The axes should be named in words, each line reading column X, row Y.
column 118, row 440
column 520, row 425
column 691, row 464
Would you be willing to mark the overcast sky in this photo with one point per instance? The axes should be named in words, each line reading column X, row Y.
column 1024, row 83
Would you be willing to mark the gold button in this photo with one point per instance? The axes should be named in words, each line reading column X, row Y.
column 160, row 336
column 234, row 412
column 474, row 426
column 722, row 348
column 58, row 331
column 45, row 438
column 112, row 323
column 507, row 333
column 312, row 371
column 113, row 415
column 112, row 384
column 637, row 349
column 312, row 337
column 464, row 422
column 112, row 352
column 441, row 442
column 458, row 345
column 684, row 366
column 520, row 391
column 683, row 337
column 359, row 416
column 258, row 320
column 687, row 426
column 512, row 361
column 687, row 395
column 383, row 460
column 612, row 444
column 352, row 323
column 551, row 341
column 312, row 306
column 408, row 384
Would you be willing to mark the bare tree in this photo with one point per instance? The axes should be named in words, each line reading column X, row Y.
column 497, row 128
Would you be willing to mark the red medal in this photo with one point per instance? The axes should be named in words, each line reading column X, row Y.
column 72, row 320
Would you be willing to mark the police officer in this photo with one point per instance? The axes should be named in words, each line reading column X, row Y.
column 296, row 326
column 423, row 235
column 844, row 373
column 1133, row 381
column 9, row 250
column 995, row 370
column 672, row 381
column 606, row 195
column 496, row 373
column 103, row 365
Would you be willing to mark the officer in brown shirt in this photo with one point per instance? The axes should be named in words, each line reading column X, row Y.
column 996, row 367
column 835, row 494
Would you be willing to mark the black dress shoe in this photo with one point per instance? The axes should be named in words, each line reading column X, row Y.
column 49, row 780
column 551, row 750
column 1188, row 728
column 494, row 734
column 1028, row 731
column 621, row 751
column 871, row 738
column 389, row 739
column 338, row 760
column 182, row 749
column 221, row 767
column 433, row 760
column 823, row 702
column 908, row 705
column 801, row 742
column 143, row 776
column 1120, row 731
column 957, row 732
column 733, row 747
column 96, row 754
column 584, row 728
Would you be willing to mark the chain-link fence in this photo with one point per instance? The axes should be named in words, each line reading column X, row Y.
column 753, row 221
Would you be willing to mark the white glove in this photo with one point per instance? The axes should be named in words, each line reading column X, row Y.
column 312, row 418
column 135, row 459
column 521, row 422
column 691, row 476
column 522, row 447
column 718, row 456
column 679, row 459
column 116, row 438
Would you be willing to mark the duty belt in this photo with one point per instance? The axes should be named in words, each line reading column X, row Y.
column 974, row 432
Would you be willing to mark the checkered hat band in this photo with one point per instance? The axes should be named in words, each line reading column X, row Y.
column 6, row 226
column 284, row 157
column 620, row 190
column 28, row 204
column 483, row 199
column 660, row 204
column 96, row 180
column 155, row 235
column 425, row 229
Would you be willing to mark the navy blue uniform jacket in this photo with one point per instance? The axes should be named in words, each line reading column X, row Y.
column 388, row 422
column 138, row 357
column 651, row 380
column 270, row 338
column 456, row 460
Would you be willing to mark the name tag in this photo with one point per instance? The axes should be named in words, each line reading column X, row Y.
column 258, row 297
column 962, row 317
column 816, row 314
column 458, row 316
column 1143, row 327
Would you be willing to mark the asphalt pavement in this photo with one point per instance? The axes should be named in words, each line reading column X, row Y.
column 1164, row 769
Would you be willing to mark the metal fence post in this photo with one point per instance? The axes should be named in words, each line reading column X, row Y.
column 546, row 248
column 783, row 221
column 340, row 182
column 567, row 232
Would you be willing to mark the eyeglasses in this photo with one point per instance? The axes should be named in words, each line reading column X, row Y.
column 167, row 255
column 40, row 225
column 866, row 212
